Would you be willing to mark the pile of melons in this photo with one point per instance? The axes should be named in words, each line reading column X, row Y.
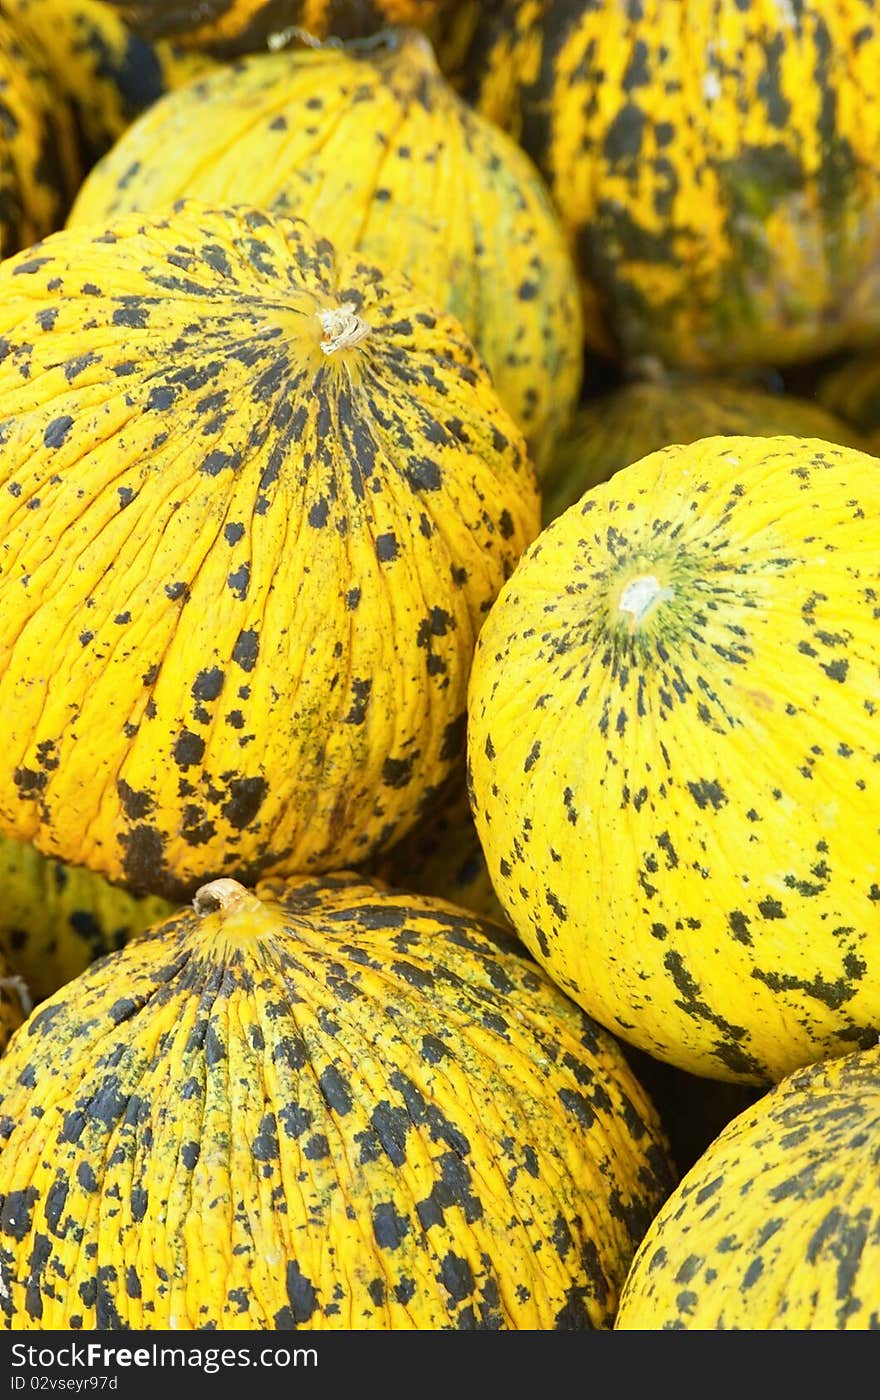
column 439, row 664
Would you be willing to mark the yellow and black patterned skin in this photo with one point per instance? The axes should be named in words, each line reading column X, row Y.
column 323, row 1105
column 441, row 855
column 491, row 50
column 717, row 162
column 775, row 1226
column 852, row 391
column 56, row 919
column 242, row 26
column 672, row 743
column 376, row 150
column 39, row 158
column 626, row 424
column 255, row 501
column 106, row 72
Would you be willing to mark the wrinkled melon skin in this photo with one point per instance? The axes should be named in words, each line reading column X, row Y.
column 774, row 1228
column 108, row 74
column 672, row 740
column 376, row 150
column 255, row 501
column 39, row 159
column 627, row 424
column 239, row 26
column 717, row 164
column 56, row 919
column 324, row 1105
column 441, row 856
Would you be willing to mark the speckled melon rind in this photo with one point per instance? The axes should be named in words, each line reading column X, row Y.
column 332, row 1106
column 255, row 501
column 774, row 1227
column 672, row 740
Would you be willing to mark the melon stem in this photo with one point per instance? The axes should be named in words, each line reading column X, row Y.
column 342, row 327
column 640, row 596
column 17, row 984
column 222, row 896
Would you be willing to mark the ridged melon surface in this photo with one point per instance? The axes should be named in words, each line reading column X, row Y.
column 674, row 723
column 775, row 1227
column 716, row 162
column 379, row 154
column 324, row 1105
column 255, row 501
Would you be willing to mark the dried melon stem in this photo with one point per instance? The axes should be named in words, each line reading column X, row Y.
column 223, row 896
column 640, row 596
column 17, row 984
column 342, row 327
column 392, row 37
column 293, row 34
column 233, row 917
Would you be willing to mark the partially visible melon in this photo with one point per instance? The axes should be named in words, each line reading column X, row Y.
column 108, row 74
column 246, row 26
column 15, row 1002
column 775, row 1227
column 325, row 1105
column 626, row 424
column 376, row 151
column 40, row 164
column 56, row 919
column 716, row 164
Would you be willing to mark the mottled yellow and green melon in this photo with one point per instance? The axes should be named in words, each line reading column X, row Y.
column 324, row 1105
column 493, row 54
column 108, row 74
column 56, row 919
column 674, row 722
column 255, row 501
column 716, row 161
column 379, row 154
column 39, row 157
column 775, row 1226
column 625, row 424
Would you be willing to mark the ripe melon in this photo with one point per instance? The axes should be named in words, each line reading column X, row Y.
column 674, row 723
